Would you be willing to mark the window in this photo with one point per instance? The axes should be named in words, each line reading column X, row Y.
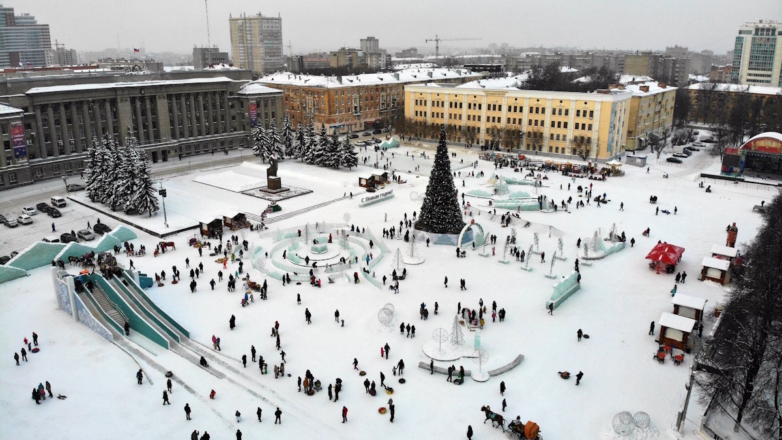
column 499, row 108
column 480, row 107
column 560, row 112
column 567, row 111
column 551, row 136
column 556, row 150
column 590, row 127
column 553, row 124
column 591, row 114
column 529, row 122
column 589, row 140
column 564, row 138
column 543, row 111
column 56, row 168
column 564, row 125
column 559, row 124
column 557, row 137
column 578, row 113
column 537, row 110
column 576, row 125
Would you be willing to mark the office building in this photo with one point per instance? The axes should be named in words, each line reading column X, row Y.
column 256, row 43
column 354, row 102
column 757, row 54
column 170, row 114
column 549, row 123
column 204, row 57
column 23, row 42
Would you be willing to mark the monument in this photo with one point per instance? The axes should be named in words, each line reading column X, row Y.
column 273, row 182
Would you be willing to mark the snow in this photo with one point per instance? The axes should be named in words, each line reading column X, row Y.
column 690, row 301
column 619, row 297
column 627, row 79
column 120, row 85
column 676, row 322
column 256, row 89
column 738, row 88
column 7, row 110
column 366, row 79
column 768, row 134
column 654, row 88
column 724, row 250
column 716, row 263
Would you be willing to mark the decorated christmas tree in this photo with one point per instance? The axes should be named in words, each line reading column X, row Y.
column 440, row 212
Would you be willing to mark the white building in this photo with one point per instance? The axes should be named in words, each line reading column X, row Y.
column 757, row 54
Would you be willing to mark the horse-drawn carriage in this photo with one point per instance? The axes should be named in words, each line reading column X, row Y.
column 513, row 429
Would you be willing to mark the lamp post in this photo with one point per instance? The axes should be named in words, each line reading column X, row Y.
column 65, row 181
column 163, row 194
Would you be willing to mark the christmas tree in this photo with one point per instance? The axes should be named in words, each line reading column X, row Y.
column 287, row 136
column 126, row 188
column 117, row 198
column 440, row 211
column 321, row 147
column 457, row 337
column 110, row 167
column 348, row 156
column 145, row 198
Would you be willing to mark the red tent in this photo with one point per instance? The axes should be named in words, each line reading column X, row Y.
column 666, row 253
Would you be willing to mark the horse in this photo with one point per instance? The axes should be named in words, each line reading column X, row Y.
column 496, row 419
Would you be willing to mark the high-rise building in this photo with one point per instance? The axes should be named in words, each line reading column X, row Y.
column 23, row 42
column 204, row 57
column 658, row 66
column 61, row 57
column 370, row 44
column 757, row 54
column 256, row 43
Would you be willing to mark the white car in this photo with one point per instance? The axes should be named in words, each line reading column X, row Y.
column 29, row 210
column 24, row 219
column 86, row 235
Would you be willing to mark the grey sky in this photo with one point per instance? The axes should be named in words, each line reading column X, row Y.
column 176, row 25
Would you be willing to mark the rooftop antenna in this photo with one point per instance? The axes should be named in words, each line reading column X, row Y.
column 208, row 37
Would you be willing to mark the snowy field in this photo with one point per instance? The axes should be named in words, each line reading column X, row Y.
column 619, row 297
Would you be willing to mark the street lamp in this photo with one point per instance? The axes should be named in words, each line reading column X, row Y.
column 65, row 181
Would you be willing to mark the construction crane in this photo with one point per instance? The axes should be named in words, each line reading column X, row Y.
column 437, row 41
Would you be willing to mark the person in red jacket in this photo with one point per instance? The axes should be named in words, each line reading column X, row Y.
column 344, row 414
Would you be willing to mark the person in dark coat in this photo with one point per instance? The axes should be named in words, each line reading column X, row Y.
column 277, row 416
column 206, row 436
column 238, row 435
column 140, row 376
column 244, row 360
column 502, row 388
column 187, row 411
column 36, row 396
column 366, row 385
column 578, row 377
column 579, row 334
column 431, row 366
column 258, row 413
column 330, row 391
column 16, row 358
column 382, row 378
column 551, row 309
column 388, row 349
column 392, row 409
column 168, row 385
column 35, row 335
column 469, row 432
column 651, row 328
column 165, row 398
column 232, row 322
column 127, row 328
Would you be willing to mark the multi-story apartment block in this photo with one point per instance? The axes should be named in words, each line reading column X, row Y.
column 170, row 114
column 256, row 43
column 204, row 57
column 651, row 111
column 23, row 42
column 757, row 54
column 658, row 66
column 355, row 102
column 61, row 57
column 554, row 123
column 721, row 74
column 370, row 44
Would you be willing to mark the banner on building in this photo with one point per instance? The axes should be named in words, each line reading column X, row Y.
column 253, row 114
column 17, row 140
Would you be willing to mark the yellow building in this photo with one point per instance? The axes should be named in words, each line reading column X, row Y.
column 590, row 125
column 651, row 111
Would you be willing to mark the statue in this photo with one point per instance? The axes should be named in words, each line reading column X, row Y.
column 272, row 171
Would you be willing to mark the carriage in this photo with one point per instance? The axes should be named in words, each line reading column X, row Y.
column 514, row 429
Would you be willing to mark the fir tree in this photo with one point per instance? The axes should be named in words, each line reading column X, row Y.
column 145, row 198
column 94, row 158
column 440, row 211
column 333, row 152
column 348, row 157
column 259, row 135
column 309, row 143
column 300, row 144
column 127, row 187
column 109, row 166
column 274, row 144
column 117, row 198
column 322, row 147
column 287, row 136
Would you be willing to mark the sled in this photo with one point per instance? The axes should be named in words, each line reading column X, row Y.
column 382, row 410
column 402, row 380
column 389, row 390
column 362, row 373
column 169, row 374
column 35, row 350
column 586, row 336
column 61, row 397
column 372, row 393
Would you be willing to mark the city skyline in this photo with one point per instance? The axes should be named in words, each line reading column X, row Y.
column 612, row 25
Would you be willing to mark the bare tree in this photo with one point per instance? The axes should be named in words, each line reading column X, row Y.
column 656, row 142
column 581, row 147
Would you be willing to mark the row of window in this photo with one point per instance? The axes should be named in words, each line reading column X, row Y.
column 511, row 109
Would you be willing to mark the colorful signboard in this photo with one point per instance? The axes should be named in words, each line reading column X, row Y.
column 17, row 140
column 764, row 145
column 253, row 114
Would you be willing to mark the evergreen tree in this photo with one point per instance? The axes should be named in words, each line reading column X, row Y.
column 259, row 134
column 94, row 158
column 333, row 152
column 145, row 198
column 287, row 136
column 127, row 187
column 348, row 157
column 117, row 198
column 274, row 143
column 109, row 167
column 300, row 144
column 440, row 211
column 308, row 151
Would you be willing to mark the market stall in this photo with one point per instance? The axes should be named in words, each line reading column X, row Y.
column 665, row 257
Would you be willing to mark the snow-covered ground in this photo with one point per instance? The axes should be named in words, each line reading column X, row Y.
column 619, row 297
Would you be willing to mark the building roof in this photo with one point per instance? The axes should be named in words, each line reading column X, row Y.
column 738, row 88
column 654, row 88
column 724, row 250
column 509, row 82
column 257, row 89
column 676, row 322
column 716, row 263
column 628, row 79
column 690, row 301
column 366, row 79
column 768, row 134
column 121, row 85
column 6, row 110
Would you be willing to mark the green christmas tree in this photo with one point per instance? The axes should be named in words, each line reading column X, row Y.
column 440, row 212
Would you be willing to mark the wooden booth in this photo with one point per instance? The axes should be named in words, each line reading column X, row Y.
column 211, row 227
column 688, row 306
column 235, row 220
column 724, row 253
column 366, row 181
column 715, row 269
column 676, row 330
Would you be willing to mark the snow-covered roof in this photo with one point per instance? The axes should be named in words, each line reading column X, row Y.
column 256, row 89
column 221, row 66
column 699, row 78
column 8, row 110
column 654, row 88
column 676, row 322
column 738, row 88
column 724, row 250
column 366, row 79
column 768, row 134
column 177, row 68
column 509, row 82
column 120, row 85
column 414, row 66
column 716, row 263
column 690, row 301
column 627, row 79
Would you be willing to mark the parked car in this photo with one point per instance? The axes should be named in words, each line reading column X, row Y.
column 674, row 160
column 43, row 207
column 25, row 219
column 50, row 239
column 67, row 238
column 4, row 259
column 2, row 218
column 353, row 136
column 378, row 131
column 54, row 213
column 58, row 202
column 14, row 253
column 378, row 141
column 10, row 222
column 75, row 187
column 101, row 228
column 366, row 133
column 86, row 235
column 29, row 210
column 682, row 155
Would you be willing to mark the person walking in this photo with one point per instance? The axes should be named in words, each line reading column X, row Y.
column 579, row 333
column 49, row 389
column 651, row 328
column 244, row 360
column 278, row 416
column 344, row 414
column 502, row 388
column 446, row 282
column 258, row 412
column 336, row 316
column 238, row 432
column 469, row 432
column 16, row 358
column 168, row 385
column 388, row 349
column 140, row 376
column 392, row 409
column 238, row 416
column 187, row 411
column 355, row 364
column 165, row 398
column 24, row 354
column 684, row 277
column 35, row 336
column 551, row 309
column 382, row 379
column 431, row 367
column 578, row 377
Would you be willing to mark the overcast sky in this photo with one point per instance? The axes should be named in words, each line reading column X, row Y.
column 176, row 25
